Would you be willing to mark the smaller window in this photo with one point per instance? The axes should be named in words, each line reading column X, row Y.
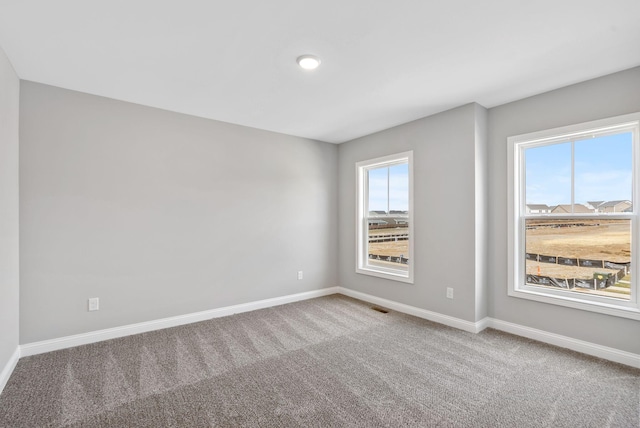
column 384, row 241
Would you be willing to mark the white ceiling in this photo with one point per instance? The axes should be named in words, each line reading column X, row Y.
column 385, row 62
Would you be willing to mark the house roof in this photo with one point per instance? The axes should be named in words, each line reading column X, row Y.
column 613, row 203
column 566, row 208
column 538, row 206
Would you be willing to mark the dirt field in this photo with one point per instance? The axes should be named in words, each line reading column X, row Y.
column 598, row 240
column 392, row 248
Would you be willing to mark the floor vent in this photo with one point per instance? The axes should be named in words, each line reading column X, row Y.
column 379, row 309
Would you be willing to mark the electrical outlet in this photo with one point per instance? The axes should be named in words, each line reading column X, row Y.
column 94, row 304
column 300, row 274
column 449, row 293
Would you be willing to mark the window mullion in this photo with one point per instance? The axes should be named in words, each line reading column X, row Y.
column 573, row 177
column 388, row 190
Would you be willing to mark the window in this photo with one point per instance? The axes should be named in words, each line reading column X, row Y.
column 384, row 217
column 573, row 215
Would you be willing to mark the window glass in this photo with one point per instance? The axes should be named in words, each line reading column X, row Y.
column 378, row 189
column 399, row 188
column 591, row 177
column 388, row 231
column 590, row 256
column 603, row 169
column 548, row 175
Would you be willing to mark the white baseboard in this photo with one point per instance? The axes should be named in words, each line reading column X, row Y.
column 8, row 368
column 127, row 330
column 600, row 351
column 482, row 324
column 469, row 326
column 588, row 348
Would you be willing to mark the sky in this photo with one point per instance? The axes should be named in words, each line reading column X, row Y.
column 398, row 176
column 602, row 171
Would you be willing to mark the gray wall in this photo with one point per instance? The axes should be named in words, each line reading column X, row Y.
column 161, row 214
column 9, row 266
column 446, row 215
column 608, row 96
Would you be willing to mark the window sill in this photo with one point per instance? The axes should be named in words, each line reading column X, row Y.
column 631, row 312
column 386, row 275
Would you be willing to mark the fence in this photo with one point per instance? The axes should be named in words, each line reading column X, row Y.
column 388, row 238
column 556, row 225
column 389, row 225
column 568, row 261
column 393, row 259
column 599, row 281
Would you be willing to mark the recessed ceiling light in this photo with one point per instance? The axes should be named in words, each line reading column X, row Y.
column 308, row 62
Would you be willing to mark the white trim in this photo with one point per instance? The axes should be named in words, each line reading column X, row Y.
column 588, row 348
column 483, row 324
column 469, row 326
column 555, row 297
column 127, row 330
column 600, row 351
column 8, row 368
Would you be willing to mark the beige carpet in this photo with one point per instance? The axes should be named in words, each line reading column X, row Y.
column 326, row 362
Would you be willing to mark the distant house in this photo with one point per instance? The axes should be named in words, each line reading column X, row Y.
column 566, row 209
column 380, row 219
column 614, row 206
column 377, row 222
column 593, row 205
column 399, row 217
column 538, row 209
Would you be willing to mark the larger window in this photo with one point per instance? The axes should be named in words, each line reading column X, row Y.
column 384, row 242
column 574, row 218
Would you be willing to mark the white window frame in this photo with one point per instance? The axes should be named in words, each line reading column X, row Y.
column 517, row 215
column 362, row 214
